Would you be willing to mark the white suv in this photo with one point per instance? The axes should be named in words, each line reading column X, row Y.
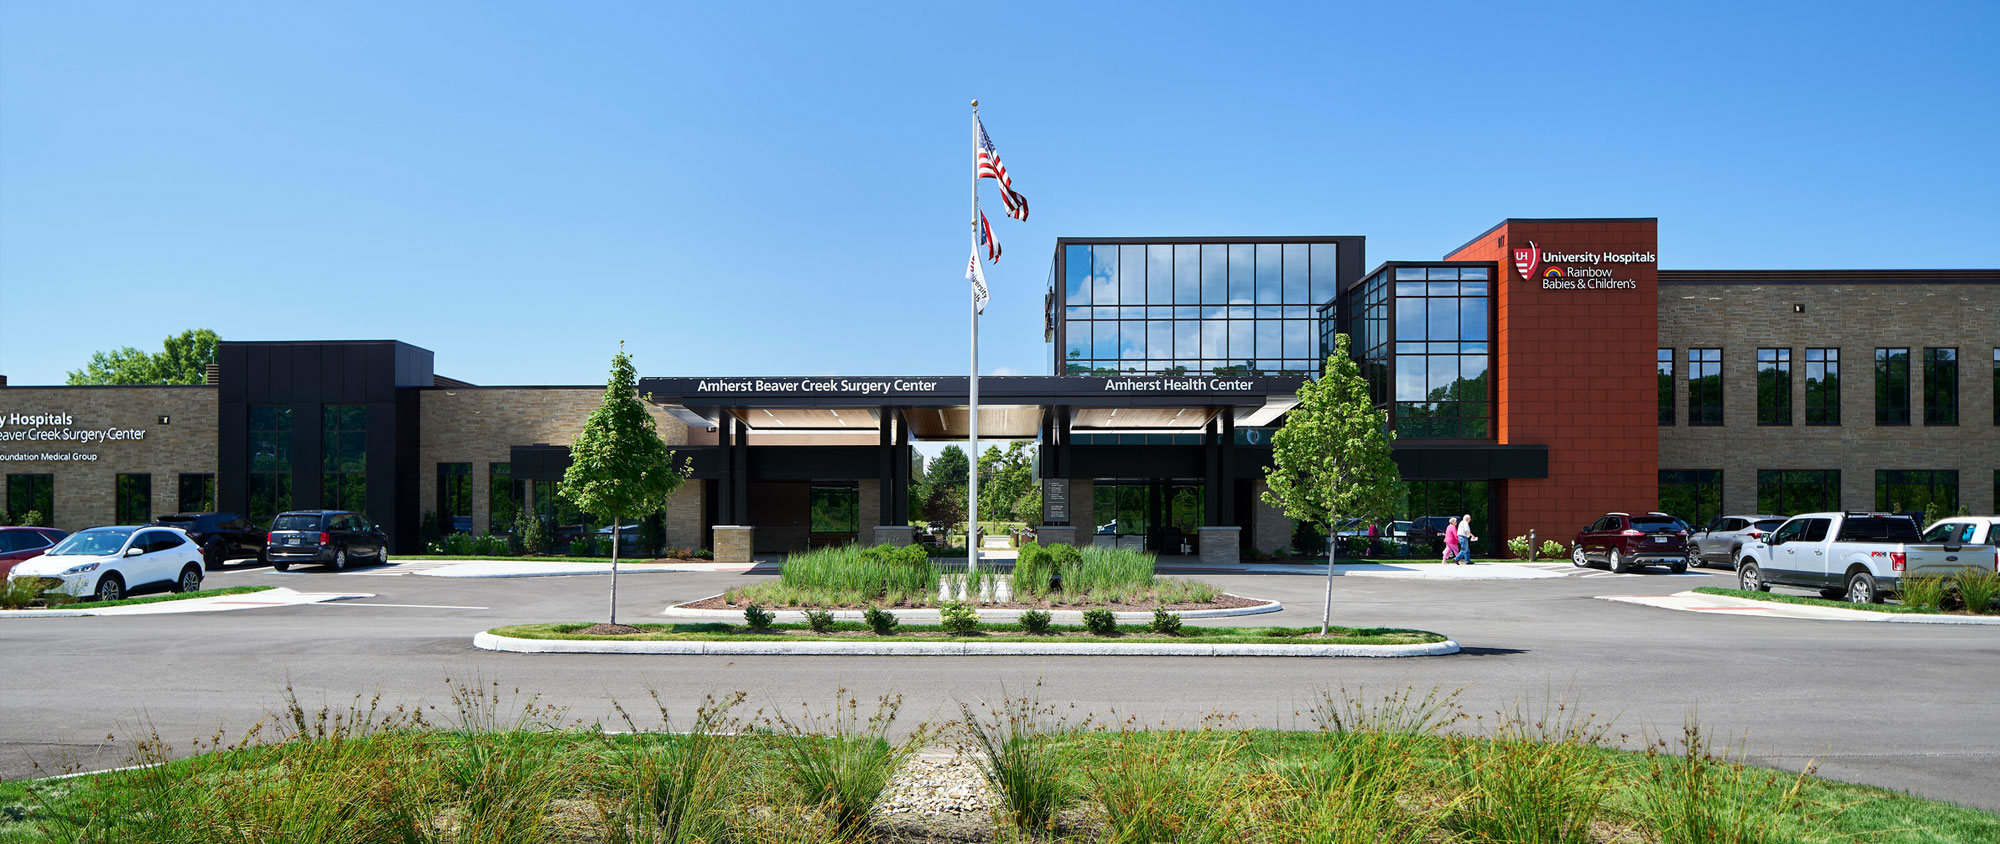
column 105, row 562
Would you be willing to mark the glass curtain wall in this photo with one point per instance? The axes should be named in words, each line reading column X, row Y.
column 344, row 457
column 270, row 462
column 1442, row 353
column 1446, row 499
column 1194, row 308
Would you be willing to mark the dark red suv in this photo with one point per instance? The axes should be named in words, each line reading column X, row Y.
column 24, row 543
column 1624, row 541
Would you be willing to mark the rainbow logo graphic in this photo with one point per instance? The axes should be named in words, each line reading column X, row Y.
column 1553, row 272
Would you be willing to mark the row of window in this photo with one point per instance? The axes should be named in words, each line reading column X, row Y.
column 1822, row 386
column 1696, row 494
column 343, row 459
column 31, row 498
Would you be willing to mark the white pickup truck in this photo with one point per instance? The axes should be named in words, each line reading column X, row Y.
column 1861, row 556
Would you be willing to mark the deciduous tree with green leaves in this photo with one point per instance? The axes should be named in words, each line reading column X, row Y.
column 1331, row 460
column 619, row 466
column 183, row 359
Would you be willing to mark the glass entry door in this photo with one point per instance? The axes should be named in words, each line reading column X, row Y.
column 1163, row 517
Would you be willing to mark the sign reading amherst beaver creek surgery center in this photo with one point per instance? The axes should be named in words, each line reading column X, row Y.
column 59, row 430
column 808, row 386
column 953, row 387
column 1580, row 270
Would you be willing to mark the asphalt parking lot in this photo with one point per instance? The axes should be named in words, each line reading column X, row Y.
column 1909, row 707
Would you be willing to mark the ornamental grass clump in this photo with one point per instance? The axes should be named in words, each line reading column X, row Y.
column 1923, row 592
column 1023, row 756
column 839, row 762
column 848, row 575
column 1702, row 794
column 1173, row 786
column 1976, row 590
column 1539, row 780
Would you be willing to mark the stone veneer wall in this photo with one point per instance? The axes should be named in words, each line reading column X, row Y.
column 84, row 489
column 1270, row 530
column 480, row 425
column 1857, row 319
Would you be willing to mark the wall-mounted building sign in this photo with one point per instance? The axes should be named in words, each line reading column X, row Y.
column 1558, row 270
column 1055, row 501
column 811, row 386
column 59, row 428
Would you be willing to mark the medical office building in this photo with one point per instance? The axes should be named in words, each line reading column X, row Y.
column 1538, row 375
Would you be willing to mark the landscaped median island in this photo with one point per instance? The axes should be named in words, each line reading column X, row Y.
column 14, row 598
column 1918, row 598
column 1053, row 577
column 1403, row 768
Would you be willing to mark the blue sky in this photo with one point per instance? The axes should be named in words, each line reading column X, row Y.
column 782, row 188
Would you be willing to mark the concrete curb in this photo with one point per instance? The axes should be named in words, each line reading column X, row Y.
column 485, row 569
column 931, row 615
column 491, row 642
column 1700, row 602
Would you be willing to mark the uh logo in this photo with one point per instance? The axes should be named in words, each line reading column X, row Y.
column 1527, row 259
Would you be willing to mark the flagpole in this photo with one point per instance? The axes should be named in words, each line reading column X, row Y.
column 972, row 292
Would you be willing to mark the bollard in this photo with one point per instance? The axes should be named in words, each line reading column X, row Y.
column 1532, row 548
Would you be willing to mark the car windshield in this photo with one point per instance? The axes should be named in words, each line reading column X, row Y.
column 92, row 543
column 296, row 522
column 1655, row 523
column 1768, row 525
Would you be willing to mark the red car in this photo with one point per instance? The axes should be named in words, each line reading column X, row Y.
column 23, row 543
column 1624, row 541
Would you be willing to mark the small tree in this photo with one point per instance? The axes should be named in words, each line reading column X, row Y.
column 1331, row 459
column 619, row 465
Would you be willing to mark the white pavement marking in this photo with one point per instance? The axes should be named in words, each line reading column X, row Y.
column 409, row 606
column 532, row 568
column 1731, row 605
column 278, row 597
column 490, row 642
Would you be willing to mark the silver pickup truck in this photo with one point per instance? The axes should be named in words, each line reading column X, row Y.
column 1859, row 556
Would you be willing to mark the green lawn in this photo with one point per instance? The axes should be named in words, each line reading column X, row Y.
column 988, row 632
column 164, row 596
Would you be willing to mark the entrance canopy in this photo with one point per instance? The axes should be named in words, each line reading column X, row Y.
column 939, row 407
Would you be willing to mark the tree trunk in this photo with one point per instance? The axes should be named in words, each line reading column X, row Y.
column 614, row 569
column 1332, row 546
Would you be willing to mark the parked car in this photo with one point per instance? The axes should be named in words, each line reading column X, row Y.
column 1860, row 556
column 220, row 536
column 1965, row 530
column 1721, row 540
column 21, row 543
column 328, row 537
column 1624, row 541
column 1426, row 533
column 108, row 562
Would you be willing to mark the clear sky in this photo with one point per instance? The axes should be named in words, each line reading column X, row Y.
column 782, row 188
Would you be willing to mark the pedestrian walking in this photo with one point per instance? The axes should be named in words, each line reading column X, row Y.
column 1465, row 539
column 1450, row 540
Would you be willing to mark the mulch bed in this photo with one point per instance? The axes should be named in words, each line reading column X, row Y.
column 1224, row 601
column 610, row 630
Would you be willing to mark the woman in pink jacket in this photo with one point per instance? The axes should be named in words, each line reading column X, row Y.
column 1451, row 540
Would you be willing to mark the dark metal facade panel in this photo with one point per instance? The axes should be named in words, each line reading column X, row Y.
column 1428, row 462
column 539, row 462
column 812, row 463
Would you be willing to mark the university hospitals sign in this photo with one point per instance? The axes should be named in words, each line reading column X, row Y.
column 1557, row 270
column 54, row 433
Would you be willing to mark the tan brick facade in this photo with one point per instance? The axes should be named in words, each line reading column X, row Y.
column 480, row 425
column 84, row 488
column 1857, row 319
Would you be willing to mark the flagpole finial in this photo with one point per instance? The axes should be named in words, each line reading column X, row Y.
column 975, row 103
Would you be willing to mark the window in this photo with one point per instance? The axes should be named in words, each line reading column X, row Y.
column 1695, row 495
column 1959, row 533
column 1892, row 386
column 31, row 499
column 454, row 491
column 504, row 497
column 1940, row 386
column 1783, row 492
column 1665, row 367
column 195, row 493
column 1120, row 509
column 270, row 461
column 1774, row 386
column 836, row 508
column 1704, row 386
column 1442, row 345
column 343, row 455
column 1445, row 499
column 1915, row 491
column 1822, row 386
column 133, row 499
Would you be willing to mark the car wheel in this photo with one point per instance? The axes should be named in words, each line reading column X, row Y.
column 1861, row 589
column 212, row 554
column 281, row 566
column 1678, row 568
column 1833, row 594
column 110, row 587
column 340, row 559
column 1617, row 562
column 1577, row 559
column 190, row 580
column 1752, row 580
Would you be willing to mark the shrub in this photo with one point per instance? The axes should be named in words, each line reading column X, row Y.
column 1100, row 622
column 757, row 617
column 1518, row 547
column 1166, row 623
column 16, row 594
column 34, row 518
column 704, row 554
column 533, row 536
column 1554, row 550
column 1978, row 589
column 1035, row 622
column 957, row 618
column 881, row 621
column 428, row 530
column 819, row 621
column 1924, row 592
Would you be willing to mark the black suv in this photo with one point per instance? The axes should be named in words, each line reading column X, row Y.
column 329, row 537
column 219, row 535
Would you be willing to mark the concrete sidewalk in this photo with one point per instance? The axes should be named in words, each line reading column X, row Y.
column 1731, row 605
column 1410, row 571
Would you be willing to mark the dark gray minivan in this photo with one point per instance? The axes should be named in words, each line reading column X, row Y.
column 335, row 538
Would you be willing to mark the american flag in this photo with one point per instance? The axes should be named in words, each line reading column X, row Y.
column 986, row 237
column 989, row 165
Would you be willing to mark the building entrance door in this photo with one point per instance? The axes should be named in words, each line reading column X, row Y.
column 1163, row 517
